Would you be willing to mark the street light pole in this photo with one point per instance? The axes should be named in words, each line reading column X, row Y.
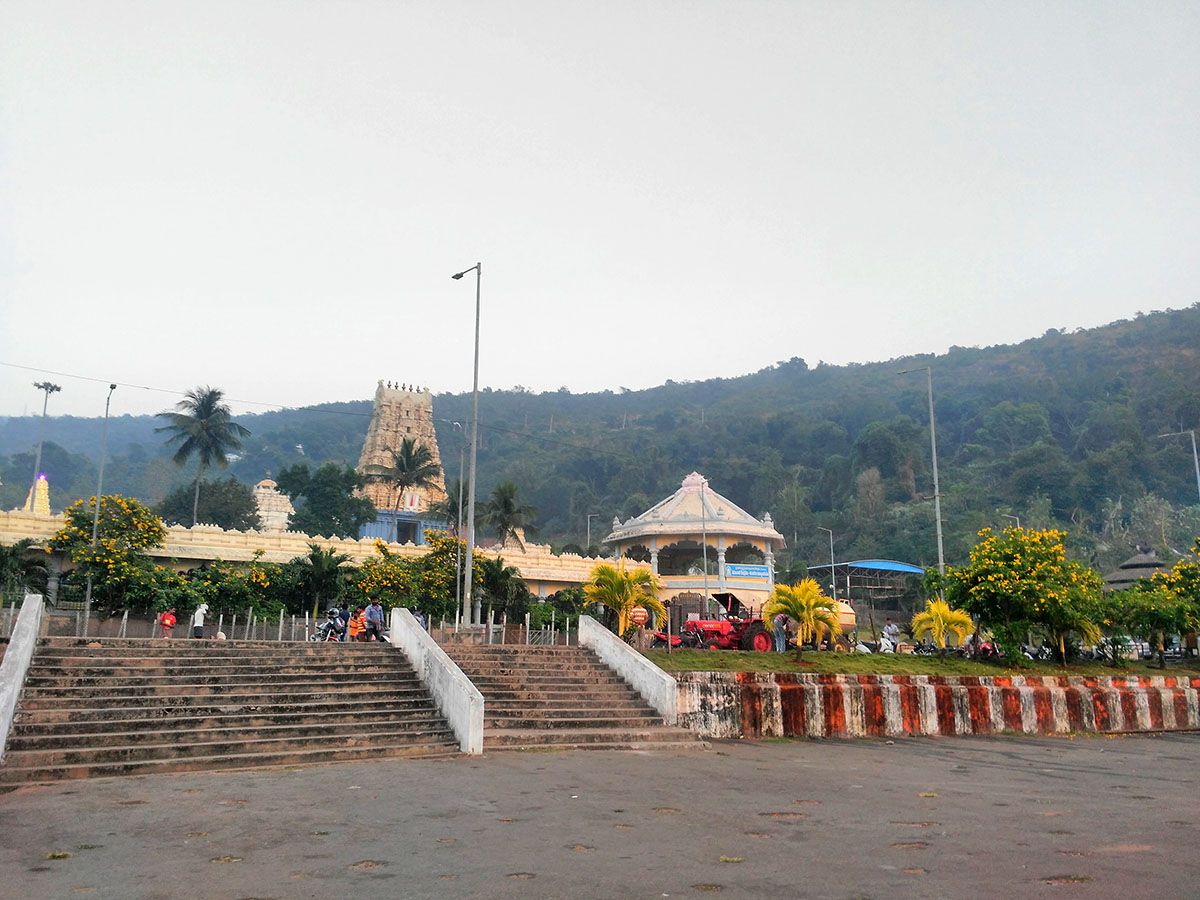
column 37, row 462
column 937, row 493
column 467, row 579
column 87, row 594
column 1195, row 456
column 588, row 549
column 458, row 579
column 832, row 564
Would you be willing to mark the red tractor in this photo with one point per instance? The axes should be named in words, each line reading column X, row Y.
column 732, row 629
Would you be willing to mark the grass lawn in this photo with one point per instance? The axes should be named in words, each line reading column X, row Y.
column 885, row 664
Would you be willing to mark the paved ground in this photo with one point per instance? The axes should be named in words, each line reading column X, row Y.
column 972, row 817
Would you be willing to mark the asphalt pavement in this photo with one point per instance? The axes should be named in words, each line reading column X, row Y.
column 941, row 817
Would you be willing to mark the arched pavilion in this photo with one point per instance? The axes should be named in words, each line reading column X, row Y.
column 676, row 534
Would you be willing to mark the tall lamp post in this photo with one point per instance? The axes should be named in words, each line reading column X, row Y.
column 832, row 564
column 458, row 578
column 467, row 579
column 587, row 551
column 37, row 462
column 87, row 594
column 1195, row 456
column 937, row 493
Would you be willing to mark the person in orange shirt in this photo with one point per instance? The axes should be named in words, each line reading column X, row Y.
column 167, row 621
column 358, row 624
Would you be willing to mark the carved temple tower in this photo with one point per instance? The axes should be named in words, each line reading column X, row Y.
column 400, row 411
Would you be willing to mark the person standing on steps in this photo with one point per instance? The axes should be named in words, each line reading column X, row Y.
column 374, row 621
column 167, row 621
column 781, row 622
column 198, row 620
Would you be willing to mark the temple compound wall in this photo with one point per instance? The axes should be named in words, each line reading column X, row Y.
column 187, row 547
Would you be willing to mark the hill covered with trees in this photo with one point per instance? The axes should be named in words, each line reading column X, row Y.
column 1061, row 429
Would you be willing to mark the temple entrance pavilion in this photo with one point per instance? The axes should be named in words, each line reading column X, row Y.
column 676, row 534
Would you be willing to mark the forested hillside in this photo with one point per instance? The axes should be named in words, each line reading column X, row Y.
column 1062, row 428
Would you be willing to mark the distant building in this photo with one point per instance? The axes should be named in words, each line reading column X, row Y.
column 400, row 412
column 274, row 507
column 1142, row 565
column 672, row 536
column 37, row 501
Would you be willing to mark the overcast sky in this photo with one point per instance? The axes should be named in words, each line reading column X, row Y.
column 271, row 197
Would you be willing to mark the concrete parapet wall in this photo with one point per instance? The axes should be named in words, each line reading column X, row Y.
column 15, row 665
column 752, row 704
column 456, row 697
column 657, row 688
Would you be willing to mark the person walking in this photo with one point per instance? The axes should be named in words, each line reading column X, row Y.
column 198, row 620
column 166, row 621
column 374, row 614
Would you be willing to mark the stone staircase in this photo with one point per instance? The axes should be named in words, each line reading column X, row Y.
column 132, row 707
column 560, row 697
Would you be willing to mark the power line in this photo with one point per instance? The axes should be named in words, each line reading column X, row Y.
column 281, row 407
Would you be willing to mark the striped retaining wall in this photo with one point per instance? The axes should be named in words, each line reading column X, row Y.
column 759, row 704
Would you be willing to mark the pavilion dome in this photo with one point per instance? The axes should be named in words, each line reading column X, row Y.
column 682, row 513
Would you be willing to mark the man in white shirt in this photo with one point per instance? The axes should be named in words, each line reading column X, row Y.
column 198, row 620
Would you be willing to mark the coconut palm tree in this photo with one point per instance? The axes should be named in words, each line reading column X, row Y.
column 504, row 513
column 319, row 575
column 448, row 508
column 939, row 620
column 502, row 585
column 412, row 466
column 202, row 426
column 806, row 605
column 620, row 590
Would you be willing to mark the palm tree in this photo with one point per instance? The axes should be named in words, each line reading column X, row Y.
column 320, row 575
column 620, row 590
column 939, row 620
column 412, row 467
column 504, row 513
column 502, row 584
column 202, row 426
column 18, row 571
column 448, row 508
column 806, row 605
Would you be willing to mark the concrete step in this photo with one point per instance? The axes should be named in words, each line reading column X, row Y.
column 131, row 725
column 415, row 701
column 547, row 682
column 360, row 695
column 517, row 711
column 19, row 774
column 553, row 723
column 183, row 748
column 131, row 684
column 233, row 667
column 579, row 737
column 598, row 694
column 169, row 736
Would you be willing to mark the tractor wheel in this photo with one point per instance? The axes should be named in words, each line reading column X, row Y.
column 712, row 644
column 758, row 639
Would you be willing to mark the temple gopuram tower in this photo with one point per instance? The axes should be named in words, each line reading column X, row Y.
column 401, row 411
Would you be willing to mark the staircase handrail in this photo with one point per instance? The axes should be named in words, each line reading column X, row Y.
column 16, row 662
column 656, row 686
column 456, row 696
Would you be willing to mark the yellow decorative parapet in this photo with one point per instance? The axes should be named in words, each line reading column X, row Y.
column 544, row 572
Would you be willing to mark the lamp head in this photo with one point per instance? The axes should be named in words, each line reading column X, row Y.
column 458, row 275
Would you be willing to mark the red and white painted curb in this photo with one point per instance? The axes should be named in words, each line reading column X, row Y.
column 754, row 704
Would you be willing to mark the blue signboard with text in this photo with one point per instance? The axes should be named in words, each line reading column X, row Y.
column 739, row 570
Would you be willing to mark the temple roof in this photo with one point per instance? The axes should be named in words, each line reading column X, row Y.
column 1144, row 564
column 682, row 514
